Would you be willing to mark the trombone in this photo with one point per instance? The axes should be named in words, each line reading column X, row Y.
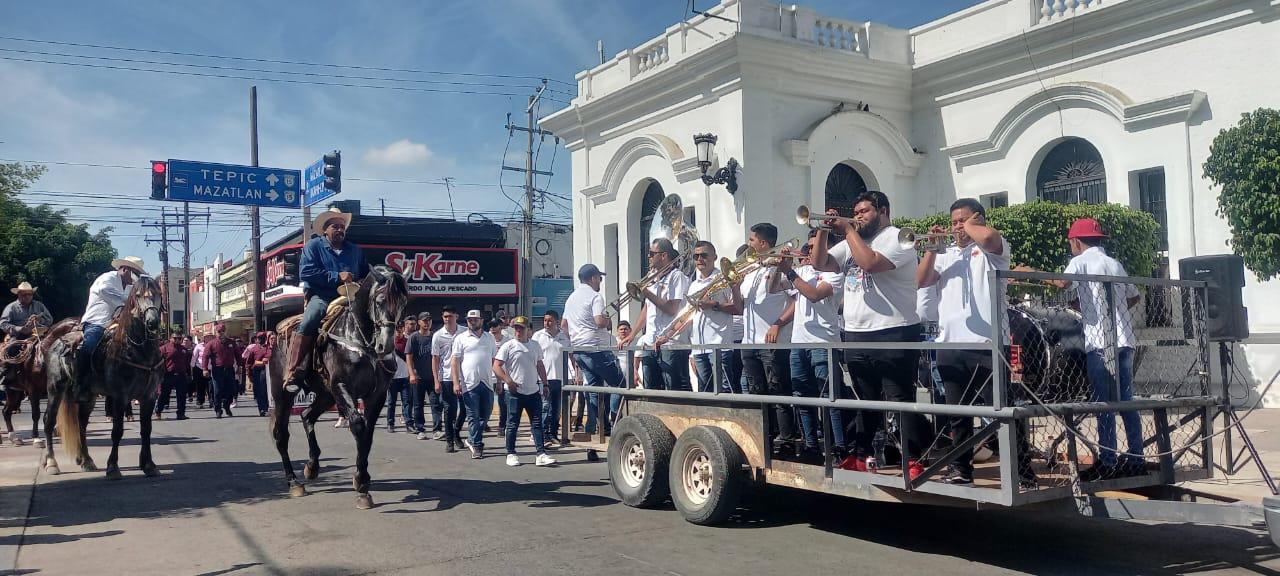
column 806, row 218
column 909, row 239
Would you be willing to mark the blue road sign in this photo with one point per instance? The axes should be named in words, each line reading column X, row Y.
column 314, row 181
column 231, row 184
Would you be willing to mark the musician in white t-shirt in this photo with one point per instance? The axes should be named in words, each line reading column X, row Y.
column 965, row 315
column 709, row 325
column 879, row 306
column 666, row 369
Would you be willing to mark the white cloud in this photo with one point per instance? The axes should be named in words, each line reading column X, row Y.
column 399, row 153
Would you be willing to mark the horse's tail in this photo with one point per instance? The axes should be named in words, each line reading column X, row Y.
column 69, row 424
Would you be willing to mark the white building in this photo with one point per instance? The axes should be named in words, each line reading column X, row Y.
column 1009, row 100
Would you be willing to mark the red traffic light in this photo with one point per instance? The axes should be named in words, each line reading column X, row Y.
column 159, row 167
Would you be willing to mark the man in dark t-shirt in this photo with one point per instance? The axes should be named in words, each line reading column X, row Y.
column 417, row 352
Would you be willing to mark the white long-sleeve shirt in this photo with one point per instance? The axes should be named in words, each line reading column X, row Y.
column 107, row 293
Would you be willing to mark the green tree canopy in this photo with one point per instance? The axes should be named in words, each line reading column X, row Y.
column 38, row 245
column 1244, row 161
column 1038, row 233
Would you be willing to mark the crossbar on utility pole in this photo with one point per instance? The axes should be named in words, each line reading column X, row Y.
column 526, row 221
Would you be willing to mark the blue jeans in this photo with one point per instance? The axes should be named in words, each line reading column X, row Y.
column 419, row 398
column 224, row 387
column 1101, row 379
column 92, row 335
column 532, row 404
column 452, row 410
column 667, row 370
column 706, row 370
column 399, row 388
column 312, row 316
column 260, row 388
column 809, row 375
column 600, row 369
column 479, row 402
column 551, row 409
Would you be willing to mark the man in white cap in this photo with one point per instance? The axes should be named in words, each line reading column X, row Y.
column 107, row 293
column 21, row 316
column 472, row 358
column 328, row 261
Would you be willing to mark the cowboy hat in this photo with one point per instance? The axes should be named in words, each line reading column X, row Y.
column 133, row 262
column 326, row 216
column 23, row 287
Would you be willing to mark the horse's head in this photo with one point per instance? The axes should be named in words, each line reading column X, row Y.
column 384, row 294
column 143, row 305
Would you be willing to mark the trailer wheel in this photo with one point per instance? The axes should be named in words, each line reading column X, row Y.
column 639, row 450
column 706, row 475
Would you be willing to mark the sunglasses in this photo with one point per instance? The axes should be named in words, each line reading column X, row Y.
column 700, row 256
column 656, row 253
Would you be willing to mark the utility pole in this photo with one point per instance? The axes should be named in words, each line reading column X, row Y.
column 186, row 267
column 526, row 224
column 256, row 240
column 164, row 225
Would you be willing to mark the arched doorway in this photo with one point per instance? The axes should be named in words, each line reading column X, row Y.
column 844, row 184
column 1072, row 173
column 653, row 196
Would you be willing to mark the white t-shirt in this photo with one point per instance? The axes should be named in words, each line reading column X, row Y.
column 493, row 376
column 520, row 360
column 402, row 369
column 964, row 292
column 710, row 326
column 675, row 285
column 927, row 303
column 442, row 346
column 475, row 357
column 1093, row 298
column 883, row 299
column 552, row 351
column 762, row 308
column 817, row 321
column 580, row 311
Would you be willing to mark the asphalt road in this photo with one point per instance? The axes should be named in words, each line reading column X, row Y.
column 220, row 507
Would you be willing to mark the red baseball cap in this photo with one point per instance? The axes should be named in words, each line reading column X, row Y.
column 1086, row 228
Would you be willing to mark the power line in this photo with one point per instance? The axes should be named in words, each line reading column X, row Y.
column 290, row 62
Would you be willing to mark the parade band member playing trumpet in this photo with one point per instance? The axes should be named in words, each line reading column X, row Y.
column 710, row 324
column 879, row 306
column 665, row 369
column 965, row 315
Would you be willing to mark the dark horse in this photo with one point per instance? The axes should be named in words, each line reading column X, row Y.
column 356, row 355
column 126, row 366
column 22, row 376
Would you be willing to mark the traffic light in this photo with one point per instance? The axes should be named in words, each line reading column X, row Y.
column 333, row 171
column 159, row 179
column 290, row 275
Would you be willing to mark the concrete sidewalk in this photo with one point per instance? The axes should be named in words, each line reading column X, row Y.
column 1246, row 483
column 19, row 467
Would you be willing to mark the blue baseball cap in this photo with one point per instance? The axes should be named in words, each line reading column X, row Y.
column 587, row 271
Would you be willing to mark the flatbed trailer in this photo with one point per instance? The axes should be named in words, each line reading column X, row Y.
column 702, row 450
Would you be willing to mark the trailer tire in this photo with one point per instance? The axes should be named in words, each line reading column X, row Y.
column 639, row 451
column 706, row 475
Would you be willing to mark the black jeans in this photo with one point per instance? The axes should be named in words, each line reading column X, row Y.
column 966, row 377
column 260, row 392
column 173, row 383
column 224, row 388
column 666, row 370
column 454, row 412
column 885, row 375
column 769, row 372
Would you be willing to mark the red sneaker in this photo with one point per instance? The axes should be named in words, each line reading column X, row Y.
column 914, row 469
column 853, row 463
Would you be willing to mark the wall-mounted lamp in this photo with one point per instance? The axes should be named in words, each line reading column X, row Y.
column 727, row 175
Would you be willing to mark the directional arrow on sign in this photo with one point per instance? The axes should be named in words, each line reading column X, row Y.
column 272, row 179
column 272, row 194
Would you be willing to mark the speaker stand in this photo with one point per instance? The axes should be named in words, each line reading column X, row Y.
column 1231, row 420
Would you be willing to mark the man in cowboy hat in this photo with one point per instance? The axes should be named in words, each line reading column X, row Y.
column 17, row 319
column 108, row 292
column 328, row 261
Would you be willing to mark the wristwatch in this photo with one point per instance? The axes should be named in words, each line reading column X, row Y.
column 791, row 275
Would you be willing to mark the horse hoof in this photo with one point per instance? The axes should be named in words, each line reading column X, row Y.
column 297, row 490
column 38, row 442
column 150, row 471
column 89, row 466
column 51, row 466
column 310, row 471
column 364, row 501
column 114, row 474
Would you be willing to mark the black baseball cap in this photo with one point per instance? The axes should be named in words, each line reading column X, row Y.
column 588, row 271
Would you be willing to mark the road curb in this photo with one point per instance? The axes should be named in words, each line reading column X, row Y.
column 19, row 484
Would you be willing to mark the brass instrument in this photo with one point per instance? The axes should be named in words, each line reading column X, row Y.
column 806, row 218
column 909, row 239
column 668, row 223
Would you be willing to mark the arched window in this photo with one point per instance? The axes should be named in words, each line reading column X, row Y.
column 653, row 196
column 1072, row 173
column 844, row 184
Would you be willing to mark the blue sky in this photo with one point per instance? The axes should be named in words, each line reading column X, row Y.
column 109, row 116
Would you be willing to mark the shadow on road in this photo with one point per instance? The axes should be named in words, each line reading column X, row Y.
column 1032, row 541
column 448, row 493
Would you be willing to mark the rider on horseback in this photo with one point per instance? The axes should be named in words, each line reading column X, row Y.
column 328, row 261
column 16, row 321
column 108, row 293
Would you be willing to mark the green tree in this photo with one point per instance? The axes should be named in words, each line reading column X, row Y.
column 1244, row 161
column 39, row 245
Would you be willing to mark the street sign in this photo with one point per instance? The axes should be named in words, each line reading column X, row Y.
column 231, row 184
column 314, row 179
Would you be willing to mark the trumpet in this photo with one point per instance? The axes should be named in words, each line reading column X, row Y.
column 806, row 218
column 909, row 239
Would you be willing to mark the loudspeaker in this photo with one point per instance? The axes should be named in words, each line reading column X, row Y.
column 1226, row 318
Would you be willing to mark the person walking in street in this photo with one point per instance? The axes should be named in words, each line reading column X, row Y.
column 552, row 340
column 177, row 371
column 399, row 388
column 519, row 368
column 220, row 368
column 473, row 352
column 256, row 356
column 498, row 329
column 422, row 378
column 199, row 383
column 442, row 364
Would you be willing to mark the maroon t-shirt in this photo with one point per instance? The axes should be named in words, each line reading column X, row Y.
column 220, row 352
column 177, row 359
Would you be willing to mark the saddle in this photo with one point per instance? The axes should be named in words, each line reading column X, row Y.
column 286, row 328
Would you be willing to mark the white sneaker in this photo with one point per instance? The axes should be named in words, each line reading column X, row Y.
column 467, row 442
column 422, row 435
column 513, row 460
column 544, row 460
column 341, row 423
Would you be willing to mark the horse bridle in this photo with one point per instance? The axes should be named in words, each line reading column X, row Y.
column 365, row 345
